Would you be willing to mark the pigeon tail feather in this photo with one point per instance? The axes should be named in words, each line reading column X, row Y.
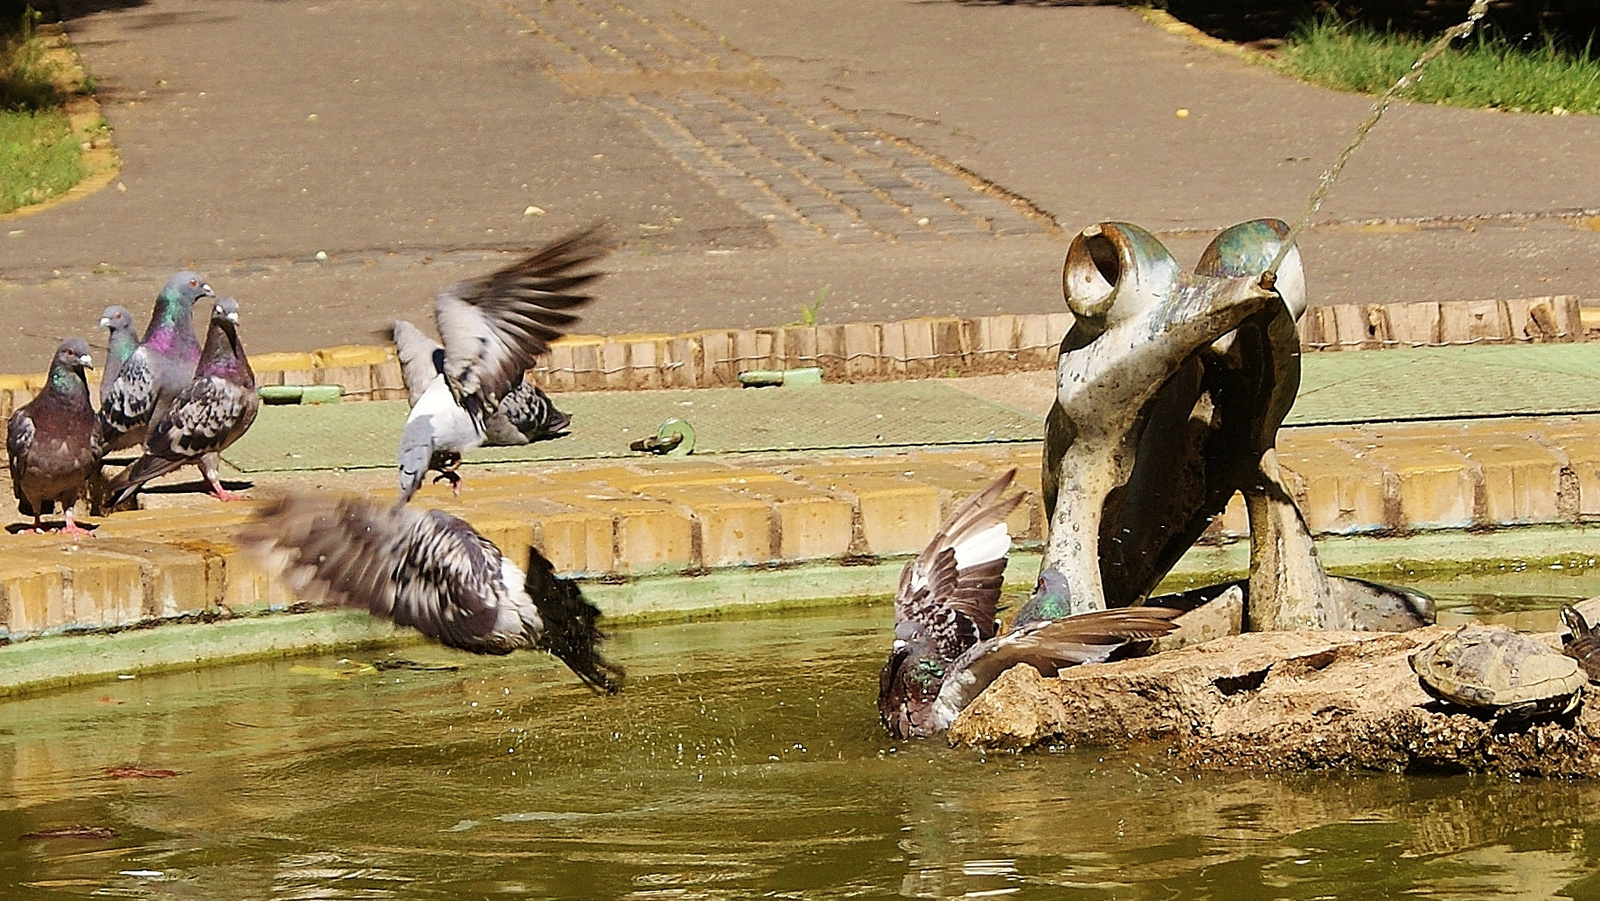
column 571, row 626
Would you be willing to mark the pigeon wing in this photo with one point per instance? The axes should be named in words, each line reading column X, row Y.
column 127, row 402
column 430, row 571
column 571, row 629
column 495, row 327
column 421, row 358
column 952, row 589
column 1049, row 646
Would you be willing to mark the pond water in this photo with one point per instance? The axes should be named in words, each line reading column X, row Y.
column 743, row 760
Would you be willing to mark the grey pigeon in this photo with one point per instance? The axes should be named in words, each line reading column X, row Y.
column 433, row 572
column 54, row 440
column 524, row 416
column 121, row 340
column 205, row 418
column 160, row 367
column 946, row 646
column 492, row 328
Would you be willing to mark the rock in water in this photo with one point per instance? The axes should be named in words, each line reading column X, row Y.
column 435, row 573
column 205, row 418
column 54, row 440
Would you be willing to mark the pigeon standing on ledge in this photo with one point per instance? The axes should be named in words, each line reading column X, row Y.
column 161, row 366
column 54, row 440
column 121, row 340
column 946, row 650
column 205, row 418
column 493, row 328
column 433, row 572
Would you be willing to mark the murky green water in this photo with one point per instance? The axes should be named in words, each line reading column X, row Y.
column 744, row 760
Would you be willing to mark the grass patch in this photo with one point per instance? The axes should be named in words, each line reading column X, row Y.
column 1485, row 73
column 40, row 156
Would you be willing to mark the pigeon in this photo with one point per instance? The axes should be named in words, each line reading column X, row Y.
column 160, row 367
column 121, row 340
column 433, row 572
column 524, row 416
column 54, row 440
column 204, row 418
column 492, row 328
column 947, row 647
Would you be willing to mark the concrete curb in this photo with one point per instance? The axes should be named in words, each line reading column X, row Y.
column 926, row 347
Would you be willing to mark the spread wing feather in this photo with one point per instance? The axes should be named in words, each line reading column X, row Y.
column 421, row 357
column 951, row 589
column 1049, row 645
column 495, row 327
column 428, row 570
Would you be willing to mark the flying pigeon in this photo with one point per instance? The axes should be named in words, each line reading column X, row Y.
column 160, row 367
column 492, row 328
column 946, row 646
column 206, row 417
column 524, row 416
column 121, row 340
column 433, row 572
column 54, row 440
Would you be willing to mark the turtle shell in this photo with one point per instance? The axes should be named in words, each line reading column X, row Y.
column 1494, row 669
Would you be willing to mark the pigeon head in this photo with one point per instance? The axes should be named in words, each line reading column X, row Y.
column 116, row 318
column 186, row 287
column 908, row 686
column 226, row 309
column 73, row 354
column 1051, row 599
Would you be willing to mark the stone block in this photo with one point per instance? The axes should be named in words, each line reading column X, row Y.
column 648, row 535
column 1583, row 455
column 647, row 358
column 830, row 351
column 577, row 357
column 1037, row 342
column 863, row 349
column 810, row 524
column 32, row 594
column 1338, row 489
column 576, row 541
column 992, row 340
column 283, row 368
column 684, row 362
column 1521, row 480
column 614, row 366
column 733, row 529
column 1415, row 324
column 1437, row 487
column 718, row 364
column 896, row 515
column 386, row 380
column 101, row 589
column 355, row 380
column 799, row 346
column 895, row 360
column 176, row 580
column 352, row 355
column 1546, row 319
column 1475, row 322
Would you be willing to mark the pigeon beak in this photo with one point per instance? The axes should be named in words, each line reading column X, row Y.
column 86, row 362
column 233, row 317
column 104, row 322
column 205, row 291
column 899, row 644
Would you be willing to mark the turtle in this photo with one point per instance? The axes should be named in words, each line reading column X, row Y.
column 1498, row 671
column 1583, row 644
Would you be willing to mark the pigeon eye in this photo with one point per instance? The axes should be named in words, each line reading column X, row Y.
column 194, row 283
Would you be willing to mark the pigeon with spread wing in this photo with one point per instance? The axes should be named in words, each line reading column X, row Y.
column 493, row 329
column 947, row 646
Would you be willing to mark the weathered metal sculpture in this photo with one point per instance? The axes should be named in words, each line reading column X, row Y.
column 1171, row 387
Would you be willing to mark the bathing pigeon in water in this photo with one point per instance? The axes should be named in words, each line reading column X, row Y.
column 946, row 650
column 121, row 340
column 205, row 418
column 433, row 572
column 524, row 416
column 54, row 440
column 493, row 328
column 160, row 367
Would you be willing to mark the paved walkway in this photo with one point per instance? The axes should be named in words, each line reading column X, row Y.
column 891, row 158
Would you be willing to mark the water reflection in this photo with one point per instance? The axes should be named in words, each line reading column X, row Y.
column 744, row 759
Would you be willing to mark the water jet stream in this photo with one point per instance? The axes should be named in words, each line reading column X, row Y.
column 1325, row 185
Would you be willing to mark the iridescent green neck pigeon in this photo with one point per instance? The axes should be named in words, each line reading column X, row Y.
column 121, row 341
column 493, row 328
column 54, row 439
column 946, row 650
column 205, row 418
column 160, row 367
